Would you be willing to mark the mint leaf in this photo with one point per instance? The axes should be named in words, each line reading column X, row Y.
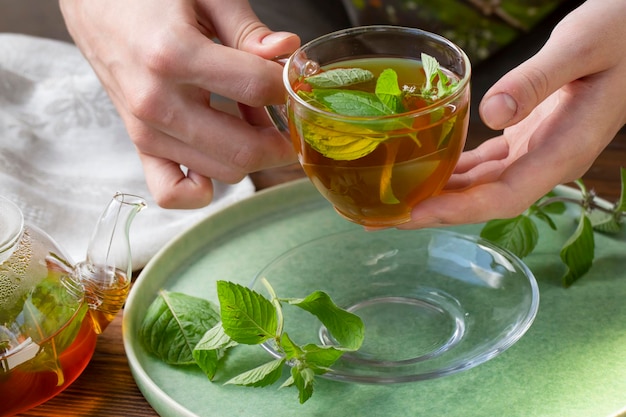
column 388, row 91
column 309, row 97
column 552, row 207
column 546, row 206
column 542, row 215
column 52, row 316
column 339, row 77
column 48, row 308
column 346, row 328
column 353, row 103
column 211, row 348
column 303, row 379
column 604, row 222
column 215, row 338
column 174, row 324
column 446, row 128
column 519, row 234
column 431, row 69
column 247, row 316
column 290, row 349
column 47, row 359
column 318, row 358
column 288, row 382
column 260, row 376
column 442, row 83
column 342, row 146
column 321, row 358
column 578, row 251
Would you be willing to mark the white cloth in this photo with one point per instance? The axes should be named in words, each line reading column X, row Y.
column 64, row 151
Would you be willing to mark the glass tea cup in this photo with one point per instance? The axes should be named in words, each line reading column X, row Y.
column 376, row 145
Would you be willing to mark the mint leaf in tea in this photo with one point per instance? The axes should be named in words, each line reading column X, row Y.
column 340, row 77
column 373, row 92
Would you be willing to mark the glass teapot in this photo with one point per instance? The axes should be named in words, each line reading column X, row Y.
column 51, row 311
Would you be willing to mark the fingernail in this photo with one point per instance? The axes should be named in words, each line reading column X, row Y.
column 498, row 110
column 275, row 37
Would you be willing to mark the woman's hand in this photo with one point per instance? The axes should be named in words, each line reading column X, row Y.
column 559, row 110
column 159, row 61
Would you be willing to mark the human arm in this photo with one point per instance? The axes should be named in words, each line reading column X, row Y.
column 159, row 63
column 559, row 110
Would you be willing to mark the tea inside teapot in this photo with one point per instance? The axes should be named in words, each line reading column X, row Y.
column 51, row 311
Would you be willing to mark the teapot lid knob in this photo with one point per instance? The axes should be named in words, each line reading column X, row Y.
column 11, row 226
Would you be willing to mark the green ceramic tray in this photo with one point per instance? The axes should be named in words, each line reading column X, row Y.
column 572, row 361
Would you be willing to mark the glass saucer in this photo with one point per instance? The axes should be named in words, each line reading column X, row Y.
column 433, row 302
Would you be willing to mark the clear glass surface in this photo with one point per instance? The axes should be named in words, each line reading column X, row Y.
column 433, row 302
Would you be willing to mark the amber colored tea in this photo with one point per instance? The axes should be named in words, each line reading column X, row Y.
column 42, row 368
column 415, row 154
column 23, row 388
column 109, row 302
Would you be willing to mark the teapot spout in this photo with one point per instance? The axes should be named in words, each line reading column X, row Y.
column 106, row 272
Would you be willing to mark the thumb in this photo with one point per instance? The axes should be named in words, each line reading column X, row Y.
column 239, row 27
column 556, row 64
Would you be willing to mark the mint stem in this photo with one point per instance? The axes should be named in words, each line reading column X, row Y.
column 589, row 203
column 279, row 310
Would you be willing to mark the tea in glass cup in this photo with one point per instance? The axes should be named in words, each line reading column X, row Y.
column 378, row 116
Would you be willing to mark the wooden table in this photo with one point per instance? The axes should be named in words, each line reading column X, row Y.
column 107, row 389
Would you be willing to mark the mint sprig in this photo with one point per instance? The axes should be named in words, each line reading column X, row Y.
column 328, row 93
column 438, row 85
column 247, row 317
column 520, row 234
